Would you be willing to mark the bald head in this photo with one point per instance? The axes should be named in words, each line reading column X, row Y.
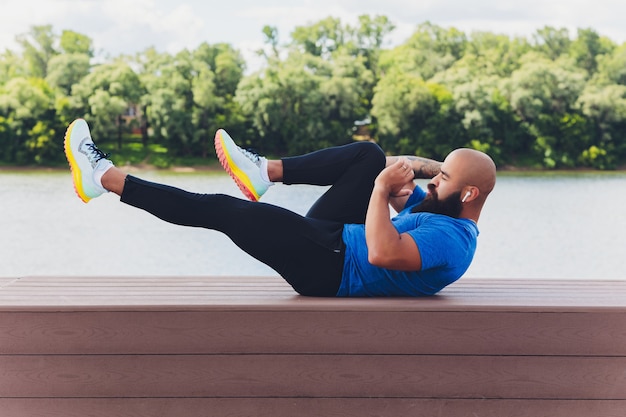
column 476, row 167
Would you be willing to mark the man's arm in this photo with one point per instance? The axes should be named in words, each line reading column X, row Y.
column 386, row 247
column 399, row 202
column 423, row 168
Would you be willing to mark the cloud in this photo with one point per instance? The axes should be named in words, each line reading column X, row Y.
column 143, row 24
column 115, row 26
column 523, row 18
column 119, row 26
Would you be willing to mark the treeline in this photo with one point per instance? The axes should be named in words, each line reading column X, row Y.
column 549, row 101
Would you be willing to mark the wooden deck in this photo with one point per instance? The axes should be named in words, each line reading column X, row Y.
column 233, row 346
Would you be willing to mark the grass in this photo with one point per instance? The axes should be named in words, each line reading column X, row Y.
column 154, row 155
column 133, row 153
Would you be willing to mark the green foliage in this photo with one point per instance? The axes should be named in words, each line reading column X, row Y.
column 295, row 122
column 552, row 42
column 416, row 117
column 588, row 47
column 75, row 43
column 611, row 67
column 11, row 66
column 39, row 48
column 431, row 49
column 66, row 70
column 494, row 54
column 551, row 101
column 189, row 95
column 595, row 157
column 28, row 131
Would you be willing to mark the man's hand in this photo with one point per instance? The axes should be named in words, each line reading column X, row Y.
column 396, row 179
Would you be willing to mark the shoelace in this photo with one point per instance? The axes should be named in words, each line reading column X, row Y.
column 94, row 154
column 251, row 155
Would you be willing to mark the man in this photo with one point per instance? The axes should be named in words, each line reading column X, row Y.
column 347, row 244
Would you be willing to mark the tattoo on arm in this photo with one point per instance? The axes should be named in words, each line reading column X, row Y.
column 424, row 168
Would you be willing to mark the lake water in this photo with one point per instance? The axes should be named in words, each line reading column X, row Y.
column 533, row 226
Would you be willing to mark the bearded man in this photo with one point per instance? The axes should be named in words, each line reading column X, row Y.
column 348, row 244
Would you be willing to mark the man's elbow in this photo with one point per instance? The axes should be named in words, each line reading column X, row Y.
column 382, row 259
column 375, row 258
column 393, row 260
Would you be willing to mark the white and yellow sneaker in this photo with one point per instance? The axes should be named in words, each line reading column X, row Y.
column 242, row 165
column 84, row 159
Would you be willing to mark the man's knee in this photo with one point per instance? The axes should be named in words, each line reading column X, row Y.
column 372, row 152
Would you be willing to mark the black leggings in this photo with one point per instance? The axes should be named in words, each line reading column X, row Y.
column 307, row 252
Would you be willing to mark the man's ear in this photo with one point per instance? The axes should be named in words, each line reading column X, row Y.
column 470, row 194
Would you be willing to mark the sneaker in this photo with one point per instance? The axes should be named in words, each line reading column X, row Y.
column 242, row 165
column 85, row 159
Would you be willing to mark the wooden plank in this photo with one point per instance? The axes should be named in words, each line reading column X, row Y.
column 240, row 332
column 39, row 293
column 305, row 407
column 311, row 376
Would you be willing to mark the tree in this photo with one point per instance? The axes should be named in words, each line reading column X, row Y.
column 611, row 67
column 543, row 93
column 168, row 99
column 547, row 101
column 285, row 104
column 370, row 37
column 306, row 102
column 415, row 117
column 39, row 48
column 221, row 68
column 494, row 54
column 225, row 62
column 11, row 66
column 334, row 42
column 271, row 39
column 189, row 95
column 605, row 106
column 347, row 92
column 30, row 131
column 65, row 70
column 474, row 94
column 552, row 42
column 103, row 95
column 587, row 47
column 76, row 43
column 430, row 49
column 329, row 36
column 320, row 39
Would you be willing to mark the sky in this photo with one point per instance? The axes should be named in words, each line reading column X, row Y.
column 128, row 26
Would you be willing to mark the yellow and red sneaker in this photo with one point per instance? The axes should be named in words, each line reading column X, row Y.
column 242, row 165
column 84, row 158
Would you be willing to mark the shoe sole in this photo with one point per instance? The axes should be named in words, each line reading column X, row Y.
column 240, row 177
column 74, row 168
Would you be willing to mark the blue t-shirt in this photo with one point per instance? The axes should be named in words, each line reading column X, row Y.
column 446, row 245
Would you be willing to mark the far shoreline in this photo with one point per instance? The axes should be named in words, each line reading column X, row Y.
column 129, row 167
column 216, row 167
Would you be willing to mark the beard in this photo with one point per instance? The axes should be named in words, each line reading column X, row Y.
column 450, row 206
